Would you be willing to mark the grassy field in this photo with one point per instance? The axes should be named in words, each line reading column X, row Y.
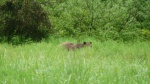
column 105, row 63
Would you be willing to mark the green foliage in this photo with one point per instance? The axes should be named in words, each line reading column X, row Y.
column 123, row 20
column 24, row 19
column 106, row 62
column 103, row 19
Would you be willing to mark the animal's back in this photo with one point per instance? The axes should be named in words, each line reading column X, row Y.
column 67, row 45
column 71, row 46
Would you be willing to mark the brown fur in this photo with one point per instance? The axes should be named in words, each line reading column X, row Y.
column 71, row 46
column 67, row 45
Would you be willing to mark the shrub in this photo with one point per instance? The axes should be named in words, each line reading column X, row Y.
column 24, row 19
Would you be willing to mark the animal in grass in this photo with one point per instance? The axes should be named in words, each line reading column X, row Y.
column 71, row 46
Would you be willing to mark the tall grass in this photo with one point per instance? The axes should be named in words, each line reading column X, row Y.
column 105, row 63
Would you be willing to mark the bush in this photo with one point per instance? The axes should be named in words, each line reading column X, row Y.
column 103, row 19
column 24, row 19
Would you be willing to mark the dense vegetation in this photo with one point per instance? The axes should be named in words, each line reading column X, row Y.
column 23, row 19
column 124, row 20
column 106, row 62
column 109, row 24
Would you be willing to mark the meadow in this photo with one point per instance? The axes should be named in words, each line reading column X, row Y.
column 107, row 62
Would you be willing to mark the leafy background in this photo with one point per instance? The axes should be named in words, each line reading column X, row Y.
column 102, row 19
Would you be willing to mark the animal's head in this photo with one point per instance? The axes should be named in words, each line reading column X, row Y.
column 88, row 44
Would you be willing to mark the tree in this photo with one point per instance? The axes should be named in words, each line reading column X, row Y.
column 25, row 19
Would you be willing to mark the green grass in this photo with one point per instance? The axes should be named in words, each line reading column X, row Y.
column 105, row 63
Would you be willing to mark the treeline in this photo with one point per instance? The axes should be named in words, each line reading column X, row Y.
column 124, row 20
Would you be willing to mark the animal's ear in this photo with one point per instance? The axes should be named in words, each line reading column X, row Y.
column 84, row 42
